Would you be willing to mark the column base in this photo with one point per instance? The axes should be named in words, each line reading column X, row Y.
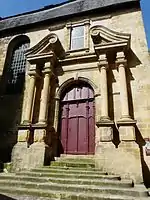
column 42, row 122
column 26, row 122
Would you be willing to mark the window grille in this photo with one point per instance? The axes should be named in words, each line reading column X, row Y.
column 16, row 70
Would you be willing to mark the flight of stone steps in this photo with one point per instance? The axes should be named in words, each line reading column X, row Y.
column 68, row 178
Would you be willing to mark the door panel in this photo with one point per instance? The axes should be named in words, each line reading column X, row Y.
column 82, row 136
column 72, row 135
column 77, row 121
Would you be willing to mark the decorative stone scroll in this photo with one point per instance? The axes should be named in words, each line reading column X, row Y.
column 106, row 40
column 49, row 44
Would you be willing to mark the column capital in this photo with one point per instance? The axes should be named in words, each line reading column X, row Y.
column 32, row 67
column 103, row 62
column 121, row 59
column 48, row 65
column 47, row 69
column 33, row 73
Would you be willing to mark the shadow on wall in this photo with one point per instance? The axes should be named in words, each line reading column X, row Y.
column 133, row 62
column 10, row 116
column 3, row 197
column 145, row 168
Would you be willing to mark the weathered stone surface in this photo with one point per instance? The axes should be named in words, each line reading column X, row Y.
column 26, row 157
column 70, row 182
column 127, row 133
column 82, row 65
column 123, row 160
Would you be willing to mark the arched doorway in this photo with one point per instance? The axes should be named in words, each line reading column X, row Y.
column 78, row 119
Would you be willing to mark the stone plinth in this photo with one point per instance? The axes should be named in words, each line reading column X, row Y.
column 124, row 161
column 127, row 130
column 105, row 130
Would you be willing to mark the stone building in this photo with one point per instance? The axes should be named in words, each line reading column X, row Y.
column 75, row 80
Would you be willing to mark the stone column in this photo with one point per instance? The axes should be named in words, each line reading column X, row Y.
column 105, row 125
column 45, row 94
column 56, row 117
column 30, row 97
column 123, row 86
column 125, row 123
column 103, row 64
column 40, row 128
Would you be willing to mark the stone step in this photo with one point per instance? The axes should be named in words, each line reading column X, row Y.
column 67, row 175
column 63, row 195
column 101, row 182
column 74, row 188
column 7, row 196
column 74, row 168
column 67, row 170
column 76, row 156
column 76, row 159
column 73, row 164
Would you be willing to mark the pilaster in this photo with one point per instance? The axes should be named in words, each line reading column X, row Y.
column 105, row 125
column 126, row 124
column 45, row 94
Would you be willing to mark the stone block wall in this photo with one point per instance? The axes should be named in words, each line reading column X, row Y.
column 137, row 77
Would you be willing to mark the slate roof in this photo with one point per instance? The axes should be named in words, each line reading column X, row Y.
column 66, row 10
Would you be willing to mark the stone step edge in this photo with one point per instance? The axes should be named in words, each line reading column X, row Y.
column 86, row 160
column 106, row 181
column 68, row 170
column 78, row 188
column 24, row 197
column 49, row 193
column 74, row 168
column 30, row 173
column 71, row 162
column 66, row 185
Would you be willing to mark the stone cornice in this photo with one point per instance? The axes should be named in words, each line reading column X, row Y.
column 49, row 47
column 78, row 59
column 106, row 40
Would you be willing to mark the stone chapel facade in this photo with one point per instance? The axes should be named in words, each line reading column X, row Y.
column 75, row 80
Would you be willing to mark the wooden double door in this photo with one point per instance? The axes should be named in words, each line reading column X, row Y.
column 77, row 120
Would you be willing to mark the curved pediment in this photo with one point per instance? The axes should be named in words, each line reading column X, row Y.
column 47, row 46
column 104, row 38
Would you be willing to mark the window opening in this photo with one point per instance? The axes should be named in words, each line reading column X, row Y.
column 77, row 37
column 16, row 70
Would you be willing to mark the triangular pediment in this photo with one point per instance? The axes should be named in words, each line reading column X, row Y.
column 104, row 38
column 47, row 46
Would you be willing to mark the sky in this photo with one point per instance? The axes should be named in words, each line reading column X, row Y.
column 13, row 7
column 145, row 5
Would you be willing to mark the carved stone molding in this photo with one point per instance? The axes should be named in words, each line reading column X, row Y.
column 106, row 40
column 49, row 48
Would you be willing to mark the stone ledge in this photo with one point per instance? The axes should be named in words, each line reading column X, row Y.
column 105, row 122
column 24, row 126
column 126, row 122
column 38, row 125
column 31, row 126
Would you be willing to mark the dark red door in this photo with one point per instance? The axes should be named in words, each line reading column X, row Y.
column 77, row 121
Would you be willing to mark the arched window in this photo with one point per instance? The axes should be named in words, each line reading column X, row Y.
column 14, row 73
